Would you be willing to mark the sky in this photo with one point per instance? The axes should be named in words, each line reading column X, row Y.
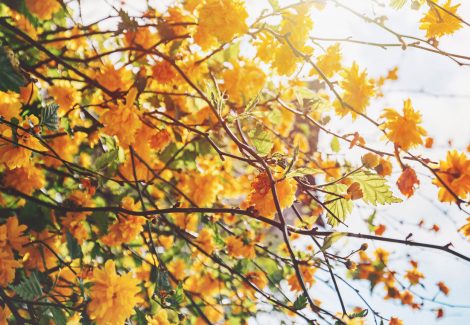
column 440, row 89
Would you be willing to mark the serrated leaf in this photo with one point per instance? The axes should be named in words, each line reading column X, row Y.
column 302, row 171
column 58, row 316
column 106, row 159
column 11, row 78
column 49, row 117
column 331, row 239
column 73, row 246
column 375, row 188
column 339, row 208
column 262, row 140
column 300, row 302
column 29, row 288
column 397, row 4
column 334, row 144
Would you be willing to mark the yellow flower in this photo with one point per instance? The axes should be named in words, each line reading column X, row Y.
column 258, row 278
column 455, row 173
column 438, row 22
column 25, row 179
column 113, row 79
column 261, row 197
column 414, row 276
column 243, row 83
column 358, row 90
column 10, row 105
column 205, row 240
column 404, row 130
column 126, row 228
column 8, row 265
column 44, row 9
column 330, row 62
column 201, row 188
column 15, row 156
column 15, row 237
column 4, row 315
column 164, row 72
column 465, row 229
column 65, row 95
column 112, row 297
column 220, row 21
column 160, row 318
column 124, row 115
column 178, row 269
column 238, row 247
column 308, row 273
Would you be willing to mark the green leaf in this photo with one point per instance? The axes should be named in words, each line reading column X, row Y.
column 49, row 117
column 58, row 316
column 361, row 314
column 375, row 188
column 339, row 208
column 397, row 4
column 334, row 144
column 331, row 239
column 300, row 302
column 302, row 171
column 29, row 288
column 11, row 78
column 106, row 159
column 262, row 140
column 73, row 246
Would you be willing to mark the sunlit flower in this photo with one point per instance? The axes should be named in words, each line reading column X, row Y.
column 438, row 22
column 454, row 172
column 112, row 296
column 44, row 9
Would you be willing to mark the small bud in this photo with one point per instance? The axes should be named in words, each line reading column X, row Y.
column 370, row 160
column 364, row 247
column 351, row 265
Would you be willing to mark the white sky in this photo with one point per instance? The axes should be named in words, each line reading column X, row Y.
column 445, row 118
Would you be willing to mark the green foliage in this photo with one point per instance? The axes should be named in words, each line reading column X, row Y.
column 106, row 159
column 29, row 288
column 49, row 117
column 261, row 139
column 334, row 144
column 339, row 207
column 58, row 316
column 302, row 171
column 331, row 239
column 73, row 246
column 11, row 77
column 375, row 188
column 300, row 302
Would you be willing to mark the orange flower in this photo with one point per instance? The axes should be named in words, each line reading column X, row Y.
column 205, row 240
column 358, row 90
column 384, row 168
column 25, row 179
column 237, row 247
column 395, row 321
column 261, row 197
column 438, row 22
column 112, row 297
column 10, row 105
column 407, row 181
column 15, row 156
column 8, row 265
column 243, row 82
column 307, row 274
column 455, row 173
column 465, row 229
column 220, row 21
column 414, row 276
column 443, row 288
column 44, row 9
column 404, row 130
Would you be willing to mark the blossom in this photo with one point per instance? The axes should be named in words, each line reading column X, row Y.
column 465, row 229
column 330, row 62
column 44, row 9
column 307, row 272
column 404, row 130
column 15, row 156
column 10, row 105
column 15, row 234
column 164, row 72
column 112, row 296
column 443, row 288
column 220, row 21
column 113, row 79
column 438, row 22
column 258, row 278
column 124, row 114
column 201, row 188
column 407, row 181
column 160, row 318
column 261, row 197
column 65, row 95
column 205, row 240
column 358, row 89
column 238, row 247
column 25, row 179
column 8, row 265
column 414, row 276
column 126, row 228
column 454, row 173
column 243, row 82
